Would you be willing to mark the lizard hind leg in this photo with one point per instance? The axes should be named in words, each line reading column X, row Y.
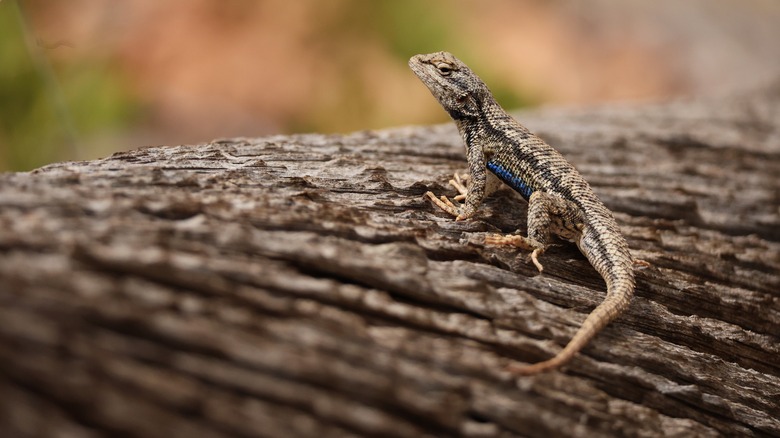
column 547, row 215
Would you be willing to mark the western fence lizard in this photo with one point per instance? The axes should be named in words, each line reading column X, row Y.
column 560, row 201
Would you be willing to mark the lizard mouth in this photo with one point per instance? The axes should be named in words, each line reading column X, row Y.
column 416, row 64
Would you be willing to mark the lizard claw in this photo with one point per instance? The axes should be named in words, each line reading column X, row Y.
column 534, row 258
column 461, row 212
column 444, row 203
column 458, row 183
column 641, row 264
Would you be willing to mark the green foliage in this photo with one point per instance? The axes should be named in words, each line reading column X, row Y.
column 48, row 114
column 410, row 27
column 401, row 28
column 508, row 96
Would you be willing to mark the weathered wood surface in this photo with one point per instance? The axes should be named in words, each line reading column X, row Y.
column 302, row 286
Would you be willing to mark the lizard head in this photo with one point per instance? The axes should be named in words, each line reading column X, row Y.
column 453, row 84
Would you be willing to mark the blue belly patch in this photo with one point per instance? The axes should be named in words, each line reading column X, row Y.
column 510, row 179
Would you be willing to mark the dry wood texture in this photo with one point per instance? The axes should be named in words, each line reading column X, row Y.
column 301, row 286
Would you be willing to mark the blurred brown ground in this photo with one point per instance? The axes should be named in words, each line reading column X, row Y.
column 205, row 69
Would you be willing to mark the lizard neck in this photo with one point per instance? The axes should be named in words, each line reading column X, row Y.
column 475, row 112
column 484, row 124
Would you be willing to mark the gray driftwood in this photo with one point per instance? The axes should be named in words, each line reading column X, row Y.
column 301, row 286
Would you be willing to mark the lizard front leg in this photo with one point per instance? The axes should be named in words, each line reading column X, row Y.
column 547, row 214
column 473, row 195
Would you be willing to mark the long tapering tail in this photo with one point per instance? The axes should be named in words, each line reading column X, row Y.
column 619, row 295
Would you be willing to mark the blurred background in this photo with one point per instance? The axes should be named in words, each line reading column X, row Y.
column 80, row 79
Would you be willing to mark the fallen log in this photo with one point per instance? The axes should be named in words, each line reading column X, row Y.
column 302, row 286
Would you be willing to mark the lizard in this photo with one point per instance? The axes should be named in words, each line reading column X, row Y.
column 560, row 201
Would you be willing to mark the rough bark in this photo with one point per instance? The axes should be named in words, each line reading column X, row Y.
column 302, row 286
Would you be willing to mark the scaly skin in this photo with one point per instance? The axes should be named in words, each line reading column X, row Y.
column 560, row 201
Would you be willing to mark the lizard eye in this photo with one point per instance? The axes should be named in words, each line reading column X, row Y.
column 444, row 68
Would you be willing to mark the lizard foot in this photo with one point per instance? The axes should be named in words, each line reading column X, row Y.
column 460, row 212
column 444, row 203
column 460, row 185
column 521, row 242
